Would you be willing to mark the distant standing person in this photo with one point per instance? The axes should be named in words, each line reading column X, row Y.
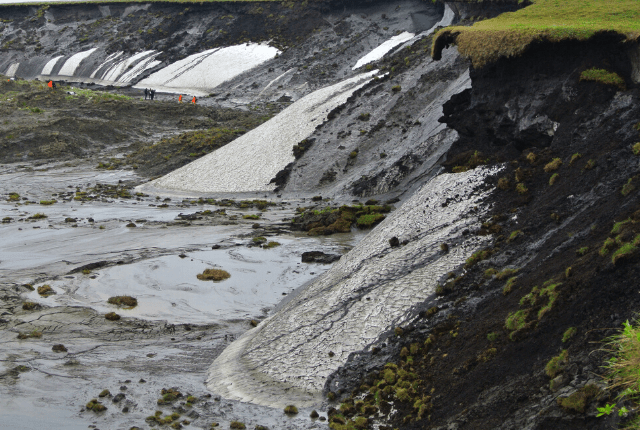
column 146, row 93
column 180, row 99
column 50, row 84
column 194, row 100
column 153, row 94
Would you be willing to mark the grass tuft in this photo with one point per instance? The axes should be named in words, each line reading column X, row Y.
column 127, row 301
column 603, row 76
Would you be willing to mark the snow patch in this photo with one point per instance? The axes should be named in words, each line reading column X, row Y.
column 13, row 68
column 48, row 68
column 201, row 72
column 70, row 66
column 381, row 50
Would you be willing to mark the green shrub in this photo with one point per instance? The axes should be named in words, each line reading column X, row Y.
column 603, row 76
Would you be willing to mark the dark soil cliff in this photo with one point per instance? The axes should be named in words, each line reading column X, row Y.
column 477, row 355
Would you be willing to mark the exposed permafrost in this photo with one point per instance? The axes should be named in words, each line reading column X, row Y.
column 251, row 161
column 287, row 359
column 199, row 73
column 381, row 50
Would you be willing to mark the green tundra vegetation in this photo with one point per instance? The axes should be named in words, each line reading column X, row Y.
column 509, row 34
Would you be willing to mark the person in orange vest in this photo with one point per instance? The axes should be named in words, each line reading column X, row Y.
column 180, row 99
column 194, row 100
column 50, row 84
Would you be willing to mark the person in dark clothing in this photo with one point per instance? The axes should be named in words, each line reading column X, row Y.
column 146, row 93
column 153, row 94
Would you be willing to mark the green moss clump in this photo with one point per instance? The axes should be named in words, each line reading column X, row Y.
column 553, row 178
column 104, row 393
column 509, row 285
column 607, row 246
column 126, row 301
column 271, row 245
column 517, row 320
column 476, row 257
column 48, row 202
column 514, row 235
column 492, row 337
column 259, row 239
column 618, row 226
column 582, row 251
column 628, row 187
column 254, row 216
column 213, row 275
column 522, row 188
column 556, row 364
column 46, row 290
column 29, row 306
column 13, row 197
column 368, row 221
column 636, row 148
column 112, row 316
column 506, row 273
column 568, row 334
column 237, row 425
column 553, row 165
column 403, row 395
column 290, row 410
column 579, row 400
column 396, row 88
column 625, row 251
column 575, row 157
column 604, row 77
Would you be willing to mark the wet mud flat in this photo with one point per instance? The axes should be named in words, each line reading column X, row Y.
column 83, row 232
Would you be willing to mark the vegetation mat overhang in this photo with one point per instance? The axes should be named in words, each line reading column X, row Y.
column 509, row 34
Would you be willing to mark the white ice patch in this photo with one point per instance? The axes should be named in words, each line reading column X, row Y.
column 48, row 68
column 70, row 66
column 13, row 68
column 366, row 293
column 381, row 50
column 128, row 68
column 251, row 161
column 109, row 58
column 199, row 73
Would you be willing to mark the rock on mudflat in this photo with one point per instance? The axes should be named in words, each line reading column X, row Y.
column 286, row 359
column 319, row 257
